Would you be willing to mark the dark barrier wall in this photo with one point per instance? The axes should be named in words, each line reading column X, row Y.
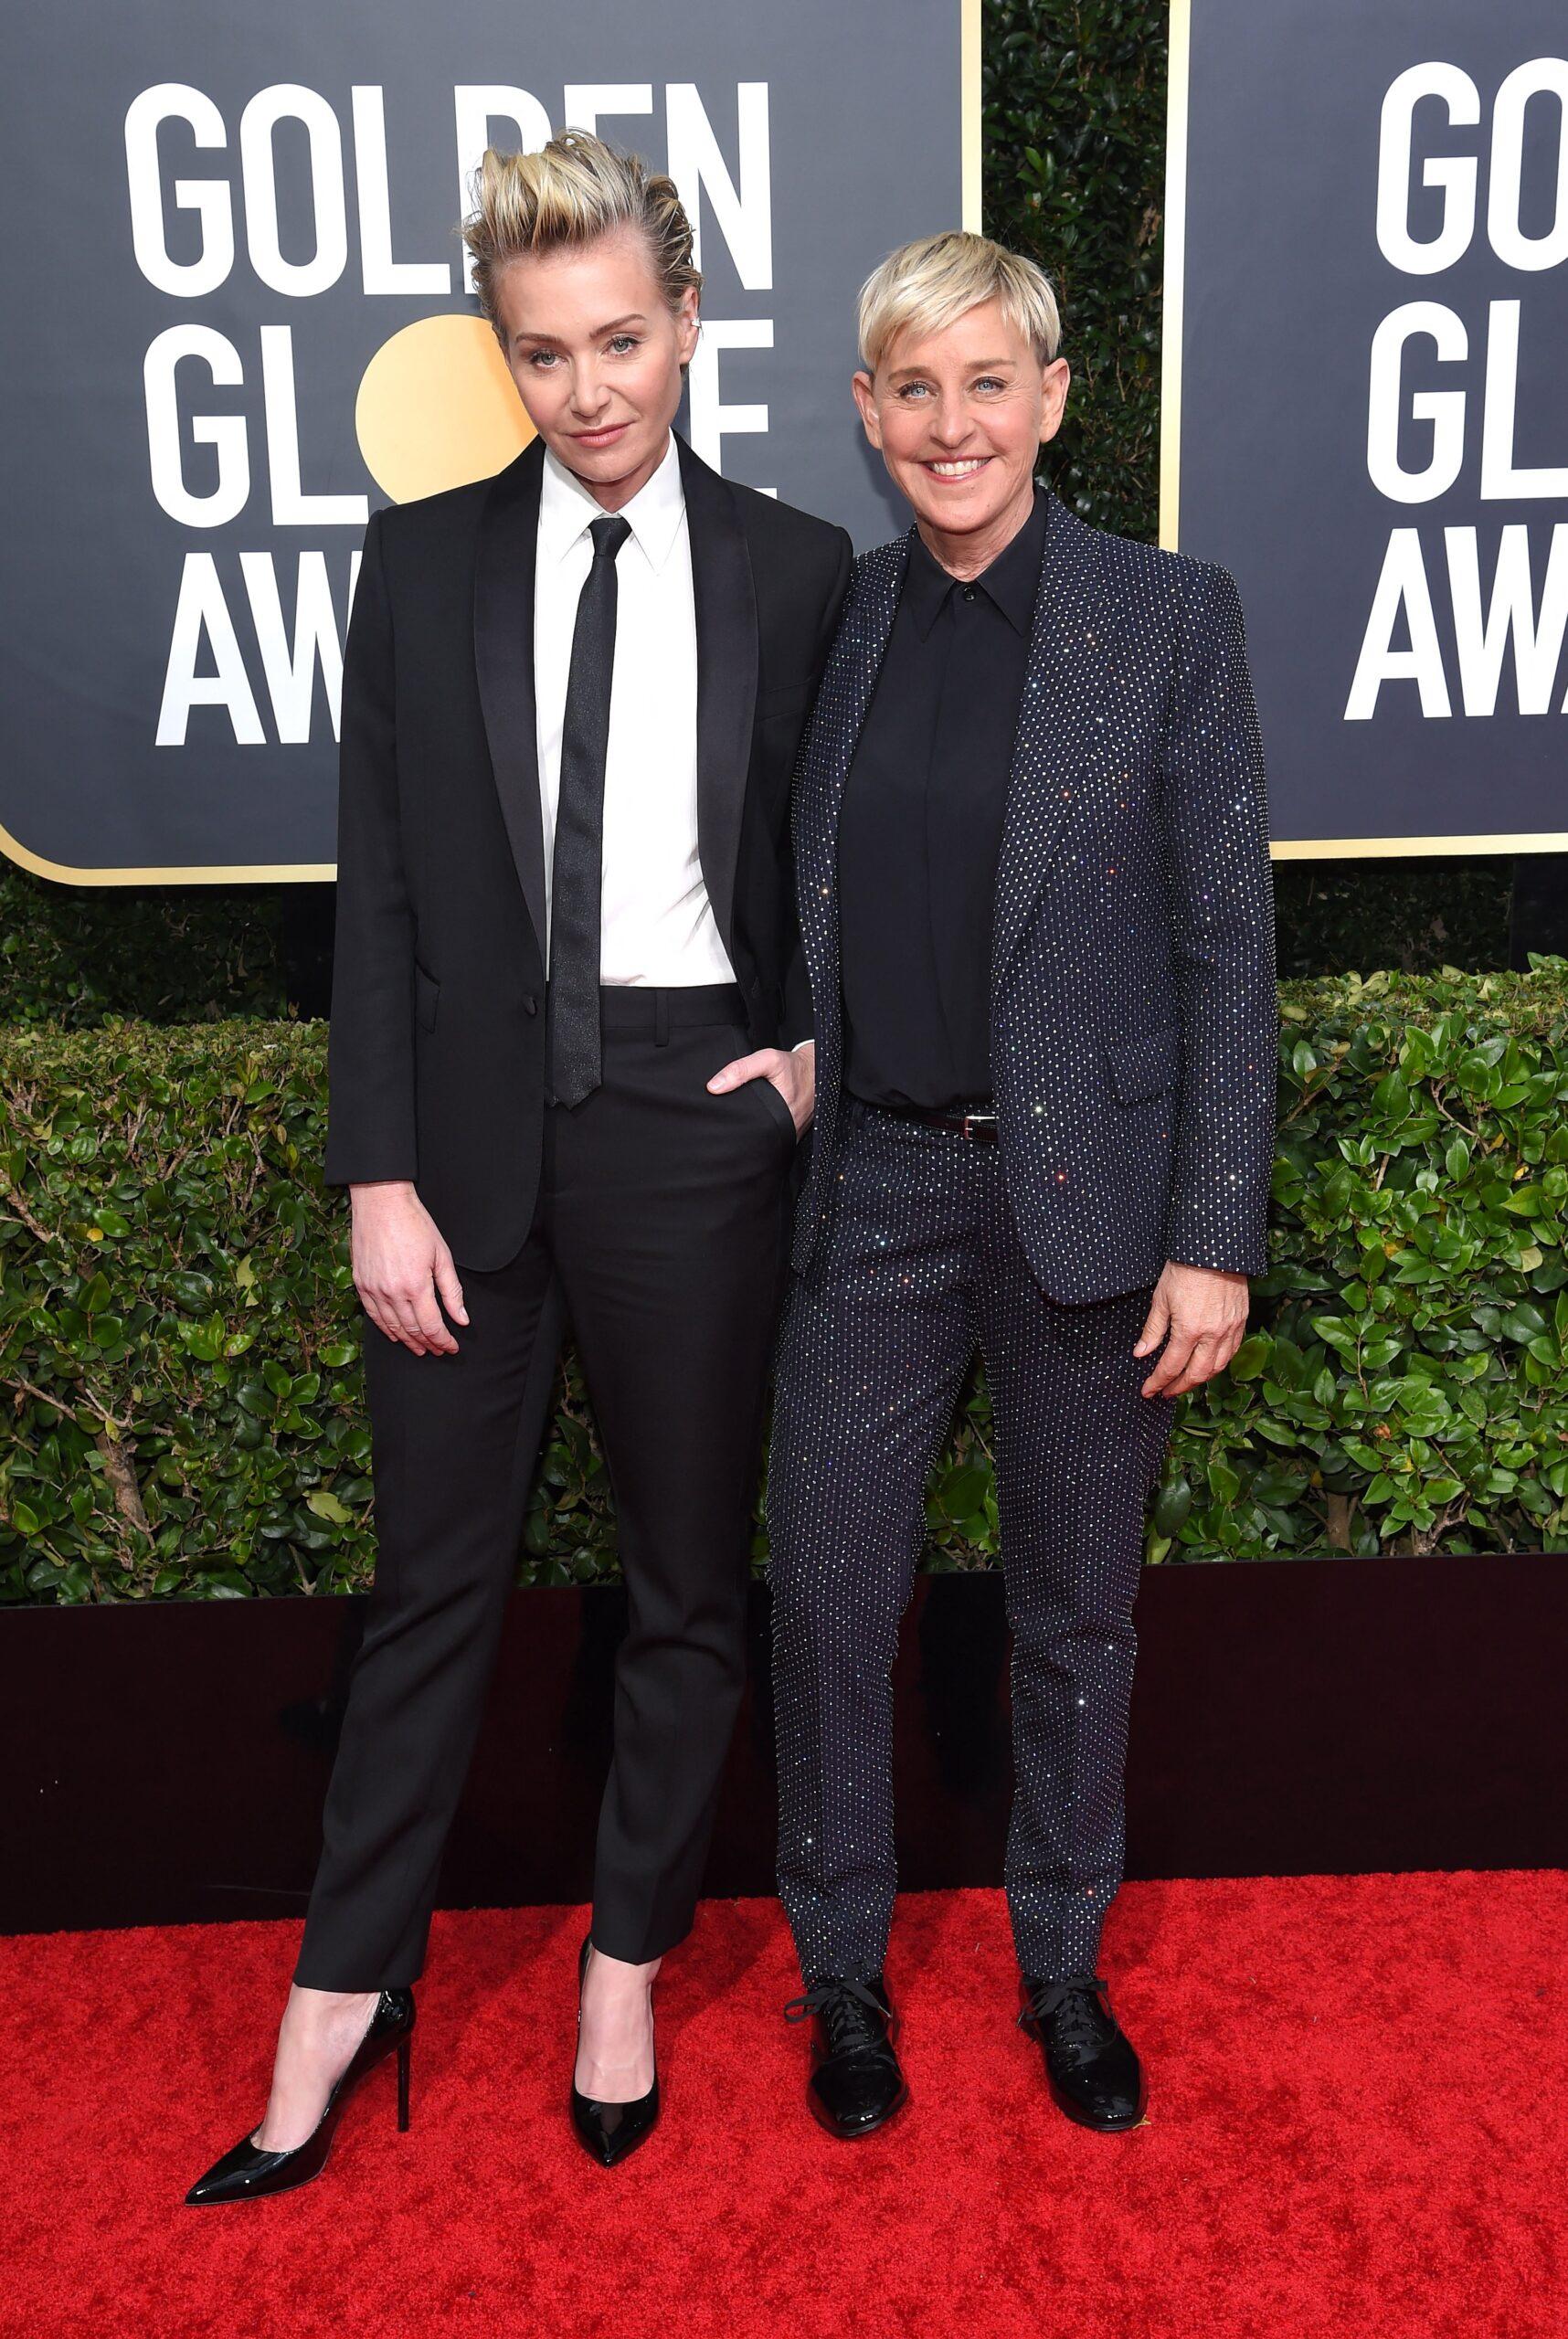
column 1336, row 1717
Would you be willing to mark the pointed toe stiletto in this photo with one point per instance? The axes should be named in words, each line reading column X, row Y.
column 248, row 2172
column 608, row 2132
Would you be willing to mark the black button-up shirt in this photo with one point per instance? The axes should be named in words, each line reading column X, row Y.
column 920, row 829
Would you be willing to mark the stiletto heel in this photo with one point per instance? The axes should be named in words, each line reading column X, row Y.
column 609, row 2130
column 247, row 2172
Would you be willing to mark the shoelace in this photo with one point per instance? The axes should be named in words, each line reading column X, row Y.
column 845, row 2006
column 1081, row 2023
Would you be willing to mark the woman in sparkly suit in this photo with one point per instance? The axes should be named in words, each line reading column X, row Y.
column 1031, row 858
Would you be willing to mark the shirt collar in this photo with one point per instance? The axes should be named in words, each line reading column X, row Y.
column 655, row 514
column 1010, row 583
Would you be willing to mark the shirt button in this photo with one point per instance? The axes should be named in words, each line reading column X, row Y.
column 968, row 592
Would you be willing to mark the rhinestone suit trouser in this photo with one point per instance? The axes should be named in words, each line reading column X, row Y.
column 918, row 1263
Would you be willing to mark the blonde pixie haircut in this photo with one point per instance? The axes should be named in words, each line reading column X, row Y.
column 574, row 190
column 931, row 284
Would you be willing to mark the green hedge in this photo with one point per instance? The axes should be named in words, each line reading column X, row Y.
column 169, row 954
column 179, row 1345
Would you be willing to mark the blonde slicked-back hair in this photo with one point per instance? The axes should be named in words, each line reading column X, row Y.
column 574, row 190
column 926, row 285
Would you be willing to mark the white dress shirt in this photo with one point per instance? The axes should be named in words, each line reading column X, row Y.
column 656, row 925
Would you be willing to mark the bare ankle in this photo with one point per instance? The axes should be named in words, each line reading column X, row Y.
column 619, row 1971
column 323, row 2004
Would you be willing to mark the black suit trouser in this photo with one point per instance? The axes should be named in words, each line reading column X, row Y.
column 659, row 1233
column 918, row 1263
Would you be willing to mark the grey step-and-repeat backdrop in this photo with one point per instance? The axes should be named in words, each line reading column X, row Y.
column 1366, row 347
column 238, row 318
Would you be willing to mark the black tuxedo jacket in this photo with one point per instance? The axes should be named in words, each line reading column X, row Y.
column 436, row 1056
column 1134, row 1015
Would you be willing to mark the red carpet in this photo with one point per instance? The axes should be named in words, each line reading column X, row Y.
column 1357, row 2127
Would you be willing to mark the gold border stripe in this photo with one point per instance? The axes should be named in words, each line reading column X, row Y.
column 1175, row 276
column 1409, row 848
column 970, row 102
column 285, row 873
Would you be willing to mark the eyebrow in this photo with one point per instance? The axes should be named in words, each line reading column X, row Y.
column 615, row 325
column 979, row 365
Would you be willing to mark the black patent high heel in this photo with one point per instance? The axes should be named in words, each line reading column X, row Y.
column 609, row 2130
column 248, row 2173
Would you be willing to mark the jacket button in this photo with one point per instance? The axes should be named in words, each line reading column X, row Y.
column 530, row 1005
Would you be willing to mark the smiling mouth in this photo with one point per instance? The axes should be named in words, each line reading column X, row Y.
column 963, row 467
column 599, row 438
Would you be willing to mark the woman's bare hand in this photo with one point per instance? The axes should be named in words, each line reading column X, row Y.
column 401, row 1265
column 1199, row 1314
column 793, row 1073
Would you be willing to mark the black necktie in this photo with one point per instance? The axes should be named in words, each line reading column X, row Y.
column 576, row 869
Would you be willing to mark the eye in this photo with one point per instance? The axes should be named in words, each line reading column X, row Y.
column 989, row 382
column 623, row 343
column 540, row 358
column 910, row 391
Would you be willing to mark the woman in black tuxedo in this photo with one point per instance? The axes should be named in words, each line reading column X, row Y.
column 565, row 1083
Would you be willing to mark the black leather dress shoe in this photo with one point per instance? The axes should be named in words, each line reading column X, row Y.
column 248, row 2173
column 1094, row 2076
column 608, row 2132
column 856, row 2084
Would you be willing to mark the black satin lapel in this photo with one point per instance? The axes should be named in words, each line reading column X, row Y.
column 724, row 601
column 1059, row 726
column 504, row 659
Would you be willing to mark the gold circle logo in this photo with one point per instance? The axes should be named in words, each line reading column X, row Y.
column 437, row 408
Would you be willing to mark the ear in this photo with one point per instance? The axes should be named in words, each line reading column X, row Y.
column 686, row 324
column 865, row 398
column 1054, row 381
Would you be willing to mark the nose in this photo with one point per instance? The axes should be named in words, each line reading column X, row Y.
column 588, row 392
column 950, row 423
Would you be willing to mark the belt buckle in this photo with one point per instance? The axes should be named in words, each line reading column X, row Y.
column 978, row 1124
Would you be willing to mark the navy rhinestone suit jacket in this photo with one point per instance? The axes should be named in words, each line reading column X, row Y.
column 1134, row 1014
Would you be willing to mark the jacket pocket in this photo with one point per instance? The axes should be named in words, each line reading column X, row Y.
column 1144, row 1066
column 427, row 995
column 786, row 698
column 773, row 1104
